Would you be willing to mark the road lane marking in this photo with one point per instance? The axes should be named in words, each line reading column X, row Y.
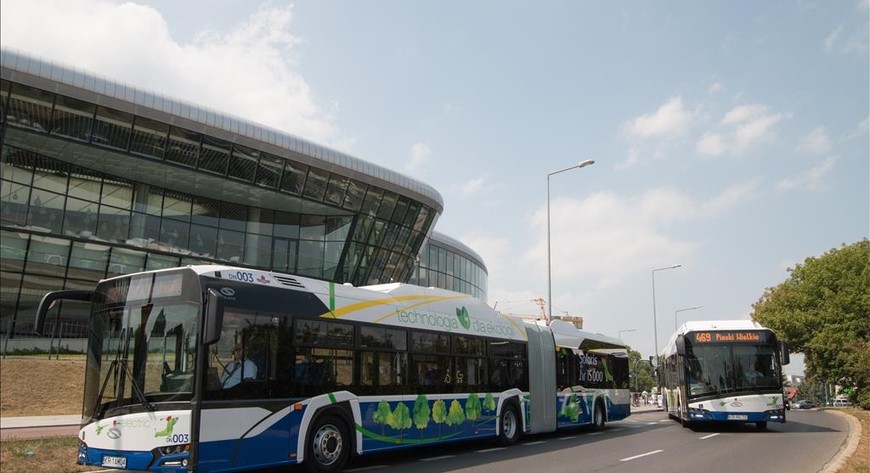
column 534, row 443
column 641, row 455
column 566, row 438
column 494, row 449
column 708, row 436
column 442, row 457
column 596, row 433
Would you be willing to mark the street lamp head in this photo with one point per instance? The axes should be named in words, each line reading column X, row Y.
column 676, row 266
column 588, row 162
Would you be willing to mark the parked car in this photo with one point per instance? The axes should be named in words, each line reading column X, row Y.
column 804, row 404
column 842, row 403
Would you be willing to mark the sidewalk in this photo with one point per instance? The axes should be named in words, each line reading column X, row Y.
column 38, row 421
column 645, row 408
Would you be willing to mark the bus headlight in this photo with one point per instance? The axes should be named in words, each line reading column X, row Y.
column 775, row 414
column 172, row 455
column 696, row 413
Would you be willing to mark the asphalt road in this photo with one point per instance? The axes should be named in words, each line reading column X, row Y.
column 647, row 442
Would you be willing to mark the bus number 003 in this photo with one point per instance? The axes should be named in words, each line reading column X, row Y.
column 178, row 438
column 241, row 276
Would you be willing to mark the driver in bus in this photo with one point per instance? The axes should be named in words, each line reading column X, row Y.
column 239, row 367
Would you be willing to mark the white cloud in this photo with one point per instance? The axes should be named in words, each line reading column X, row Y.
column 472, row 186
column 812, row 179
column 632, row 159
column 670, row 120
column 420, row 154
column 832, row 38
column 731, row 197
column 711, row 144
column 714, row 88
column 751, row 124
column 248, row 70
column 816, row 141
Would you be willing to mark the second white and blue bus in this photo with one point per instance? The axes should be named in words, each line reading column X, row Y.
column 330, row 371
column 723, row 371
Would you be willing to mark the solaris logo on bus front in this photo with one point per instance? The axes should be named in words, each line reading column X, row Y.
column 464, row 319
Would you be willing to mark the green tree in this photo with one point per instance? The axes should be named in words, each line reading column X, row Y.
column 823, row 311
column 421, row 413
column 489, row 403
column 382, row 415
column 439, row 414
column 401, row 418
column 472, row 408
column 641, row 372
column 456, row 415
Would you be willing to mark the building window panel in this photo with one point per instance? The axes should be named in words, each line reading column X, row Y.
column 293, row 180
column 47, row 255
column 33, row 287
column 114, row 224
column 310, row 259
column 46, row 210
column 88, row 261
column 286, row 225
column 401, row 209
column 173, row 235
column 215, row 155
column 124, row 261
column 269, row 171
column 183, row 147
column 353, row 199
column 231, row 246
column 205, row 212
column 203, row 240
column 117, row 194
column 372, row 202
column 112, row 128
column 157, row 261
column 315, row 184
column 313, row 227
column 411, row 215
column 13, row 203
column 388, row 204
column 80, row 218
column 73, row 118
column 335, row 189
column 243, row 165
column 13, row 251
column 234, row 216
column 29, row 108
column 149, row 137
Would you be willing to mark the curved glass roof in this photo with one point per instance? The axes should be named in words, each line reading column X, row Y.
column 14, row 60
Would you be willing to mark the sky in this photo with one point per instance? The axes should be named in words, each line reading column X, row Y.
column 730, row 138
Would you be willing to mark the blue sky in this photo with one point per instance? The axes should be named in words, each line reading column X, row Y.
column 729, row 137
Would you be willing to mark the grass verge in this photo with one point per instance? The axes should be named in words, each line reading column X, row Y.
column 48, row 455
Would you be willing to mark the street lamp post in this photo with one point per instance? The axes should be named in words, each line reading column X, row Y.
column 579, row 165
column 683, row 310
column 655, row 320
column 619, row 333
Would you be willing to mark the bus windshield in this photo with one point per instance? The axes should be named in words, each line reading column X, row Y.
column 141, row 349
column 719, row 369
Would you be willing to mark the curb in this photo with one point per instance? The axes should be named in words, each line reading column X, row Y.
column 848, row 447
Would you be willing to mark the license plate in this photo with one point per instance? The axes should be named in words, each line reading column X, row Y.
column 738, row 417
column 115, row 462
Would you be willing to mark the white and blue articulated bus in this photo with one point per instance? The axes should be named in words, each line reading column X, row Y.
column 723, row 371
column 220, row 369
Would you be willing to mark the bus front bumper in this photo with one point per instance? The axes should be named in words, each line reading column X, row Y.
column 703, row 415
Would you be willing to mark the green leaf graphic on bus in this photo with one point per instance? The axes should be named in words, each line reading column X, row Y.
column 421, row 413
column 473, row 408
column 464, row 319
column 439, row 414
column 456, row 415
column 382, row 415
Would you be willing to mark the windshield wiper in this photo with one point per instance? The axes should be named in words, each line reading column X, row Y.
column 136, row 389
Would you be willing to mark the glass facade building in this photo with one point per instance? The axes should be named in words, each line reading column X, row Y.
column 99, row 179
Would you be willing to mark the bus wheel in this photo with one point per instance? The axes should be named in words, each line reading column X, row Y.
column 328, row 445
column 598, row 417
column 509, row 421
column 761, row 425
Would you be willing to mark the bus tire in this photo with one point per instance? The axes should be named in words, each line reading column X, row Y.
column 328, row 446
column 598, row 419
column 509, row 424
